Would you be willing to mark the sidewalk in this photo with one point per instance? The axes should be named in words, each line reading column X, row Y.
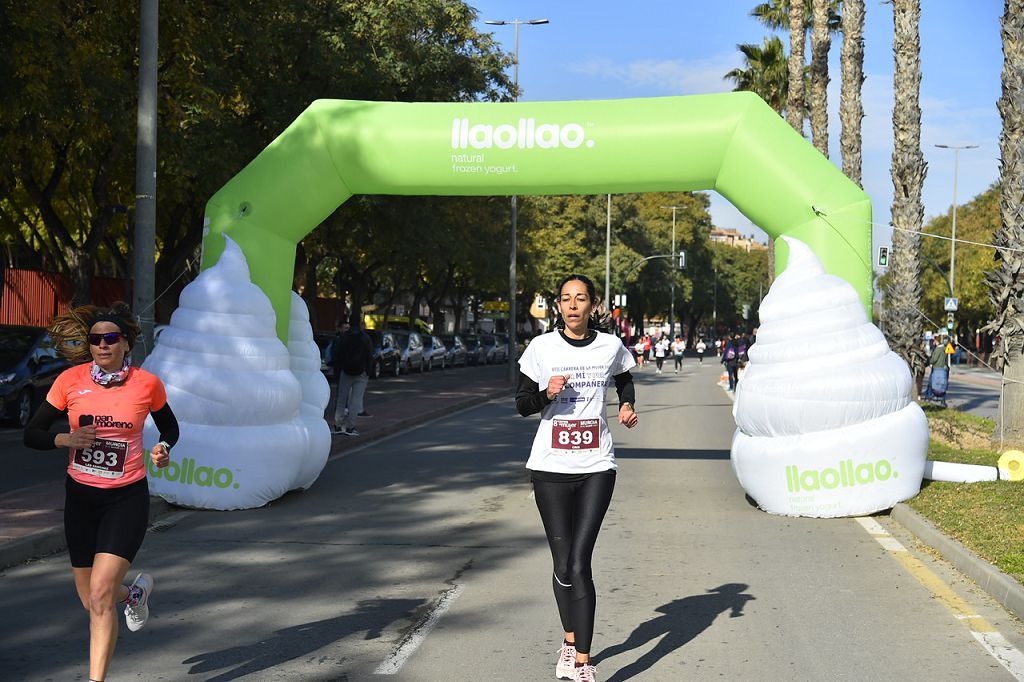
column 32, row 519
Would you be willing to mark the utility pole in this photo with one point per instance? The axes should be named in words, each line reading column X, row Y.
column 513, row 370
column 672, row 304
column 144, row 246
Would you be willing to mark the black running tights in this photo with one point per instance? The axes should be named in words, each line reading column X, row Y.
column 572, row 513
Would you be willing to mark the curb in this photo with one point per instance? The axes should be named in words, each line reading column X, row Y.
column 997, row 584
column 49, row 541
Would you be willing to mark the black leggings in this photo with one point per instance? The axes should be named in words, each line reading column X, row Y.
column 572, row 511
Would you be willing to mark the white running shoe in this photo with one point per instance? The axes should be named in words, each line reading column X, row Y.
column 585, row 673
column 565, row 668
column 136, row 608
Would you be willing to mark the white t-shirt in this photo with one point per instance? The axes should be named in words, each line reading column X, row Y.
column 678, row 347
column 573, row 436
column 701, row 347
column 661, row 348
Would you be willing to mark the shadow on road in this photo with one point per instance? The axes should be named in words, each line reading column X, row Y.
column 371, row 615
column 648, row 453
column 682, row 621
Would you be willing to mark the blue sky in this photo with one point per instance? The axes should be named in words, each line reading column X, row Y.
column 601, row 49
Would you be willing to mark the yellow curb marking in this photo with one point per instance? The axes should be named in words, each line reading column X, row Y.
column 986, row 635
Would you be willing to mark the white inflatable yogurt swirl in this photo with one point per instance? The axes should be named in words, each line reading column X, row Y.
column 249, row 408
column 818, row 362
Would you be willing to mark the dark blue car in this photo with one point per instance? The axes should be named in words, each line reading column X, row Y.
column 28, row 366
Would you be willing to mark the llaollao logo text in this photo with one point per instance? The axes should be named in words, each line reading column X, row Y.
column 185, row 472
column 526, row 134
column 845, row 474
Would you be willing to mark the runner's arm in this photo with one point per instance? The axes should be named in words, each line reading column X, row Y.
column 37, row 433
column 624, row 387
column 167, row 424
column 529, row 398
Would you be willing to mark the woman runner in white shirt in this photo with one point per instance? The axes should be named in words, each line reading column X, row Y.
column 572, row 460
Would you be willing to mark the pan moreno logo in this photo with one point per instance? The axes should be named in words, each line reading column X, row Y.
column 186, row 472
column 526, row 134
column 845, row 474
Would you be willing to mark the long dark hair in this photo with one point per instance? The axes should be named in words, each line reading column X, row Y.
column 593, row 322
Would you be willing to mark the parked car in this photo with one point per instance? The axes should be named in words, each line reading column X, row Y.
column 474, row 349
column 494, row 352
column 323, row 342
column 411, row 346
column 434, row 352
column 387, row 354
column 456, row 350
column 503, row 341
column 28, row 366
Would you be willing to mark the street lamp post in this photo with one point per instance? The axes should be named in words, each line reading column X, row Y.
column 952, row 243
column 512, row 342
column 608, row 258
column 672, row 303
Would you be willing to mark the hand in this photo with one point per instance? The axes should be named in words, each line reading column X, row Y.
column 159, row 456
column 556, row 385
column 627, row 417
column 82, row 437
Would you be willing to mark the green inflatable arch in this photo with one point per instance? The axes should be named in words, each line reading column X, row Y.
column 733, row 143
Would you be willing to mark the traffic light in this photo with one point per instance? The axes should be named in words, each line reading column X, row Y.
column 883, row 256
column 682, row 260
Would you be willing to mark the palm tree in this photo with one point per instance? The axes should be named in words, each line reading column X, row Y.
column 1007, row 283
column 851, row 111
column 765, row 72
column 821, row 42
column 797, row 89
column 903, row 326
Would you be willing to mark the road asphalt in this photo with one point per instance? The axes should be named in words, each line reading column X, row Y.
column 419, row 553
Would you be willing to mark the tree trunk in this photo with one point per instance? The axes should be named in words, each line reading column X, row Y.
column 797, row 40
column 1007, row 283
column 851, row 110
column 903, row 321
column 821, row 41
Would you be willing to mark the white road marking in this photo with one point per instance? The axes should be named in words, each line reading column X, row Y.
column 393, row 663
column 991, row 640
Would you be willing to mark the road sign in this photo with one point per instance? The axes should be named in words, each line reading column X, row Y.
column 495, row 306
column 952, row 304
column 949, row 320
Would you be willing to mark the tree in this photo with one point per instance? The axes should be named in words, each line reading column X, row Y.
column 765, row 72
column 1007, row 282
column 977, row 221
column 851, row 110
column 795, row 95
column 902, row 322
column 230, row 82
column 821, row 42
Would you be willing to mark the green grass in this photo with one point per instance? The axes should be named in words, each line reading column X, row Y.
column 986, row 517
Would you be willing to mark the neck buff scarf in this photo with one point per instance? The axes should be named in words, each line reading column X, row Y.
column 104, row 378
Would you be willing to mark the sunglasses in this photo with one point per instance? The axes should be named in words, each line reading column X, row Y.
column 110, row 338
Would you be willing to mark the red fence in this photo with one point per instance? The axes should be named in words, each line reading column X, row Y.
column 33, row 297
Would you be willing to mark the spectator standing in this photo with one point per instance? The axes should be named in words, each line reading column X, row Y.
column 731, row 360
column 352, row 357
